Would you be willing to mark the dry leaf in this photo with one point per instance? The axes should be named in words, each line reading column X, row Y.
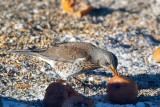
column 22, row 86
column 75, row 8
column 67, row 5
column 156, row 55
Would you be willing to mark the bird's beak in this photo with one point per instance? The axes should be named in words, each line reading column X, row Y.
column 114, row 72
column 111, row 68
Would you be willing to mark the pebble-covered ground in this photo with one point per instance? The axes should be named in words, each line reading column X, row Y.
column 128, row 28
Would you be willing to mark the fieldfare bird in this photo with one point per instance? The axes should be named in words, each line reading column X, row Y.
column 71, row 59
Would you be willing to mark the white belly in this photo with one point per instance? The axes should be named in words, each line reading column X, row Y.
column 51, row 62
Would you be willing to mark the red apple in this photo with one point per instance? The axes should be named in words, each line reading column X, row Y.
column 121, row 89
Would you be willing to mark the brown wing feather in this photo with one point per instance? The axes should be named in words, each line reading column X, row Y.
column 68, row 52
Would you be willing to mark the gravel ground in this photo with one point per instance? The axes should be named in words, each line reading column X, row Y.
column 128, row 28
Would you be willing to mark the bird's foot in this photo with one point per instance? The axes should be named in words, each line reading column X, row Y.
column 84, row 84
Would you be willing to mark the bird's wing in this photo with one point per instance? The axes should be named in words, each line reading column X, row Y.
column 66, row 52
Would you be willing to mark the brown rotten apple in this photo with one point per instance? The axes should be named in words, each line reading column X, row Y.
column 121, row 89
column 61, row 94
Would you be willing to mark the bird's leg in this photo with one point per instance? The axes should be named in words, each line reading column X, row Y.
column 70, row 78
column 83, row 83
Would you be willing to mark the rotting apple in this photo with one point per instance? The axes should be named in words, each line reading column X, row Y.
column 121, row 89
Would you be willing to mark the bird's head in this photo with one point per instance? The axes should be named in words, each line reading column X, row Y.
column 109, row 60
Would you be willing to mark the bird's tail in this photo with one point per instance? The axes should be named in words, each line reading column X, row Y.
column 27, row 52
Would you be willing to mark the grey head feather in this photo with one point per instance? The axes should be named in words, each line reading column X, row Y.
column 104, row 57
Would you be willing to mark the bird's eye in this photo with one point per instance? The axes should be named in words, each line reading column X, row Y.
column 106, row 63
